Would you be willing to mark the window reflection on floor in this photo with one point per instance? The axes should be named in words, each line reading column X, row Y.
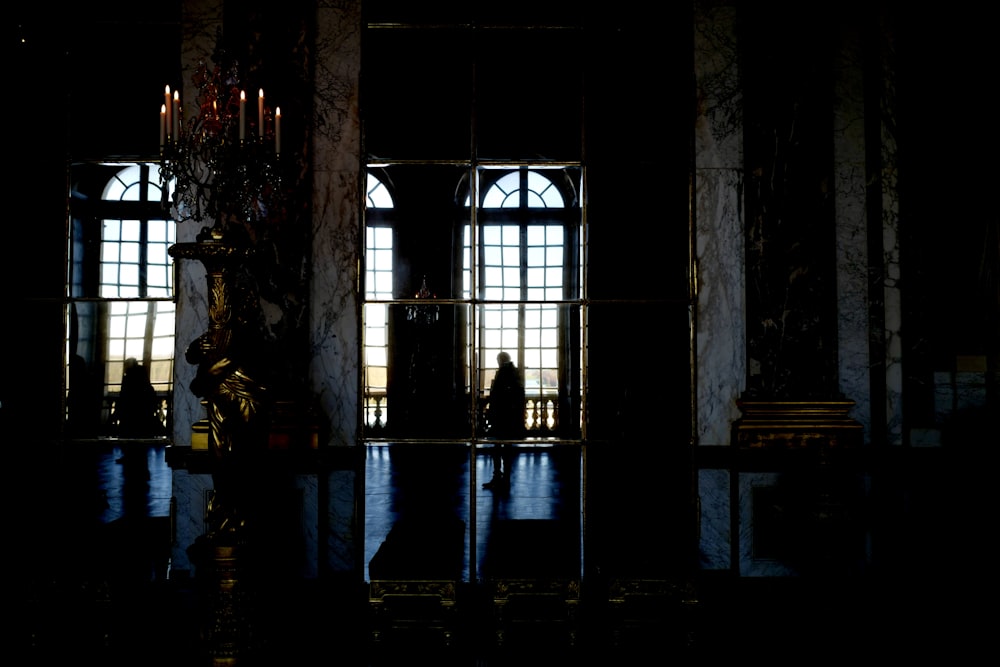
column 133, row 479
column 425, row 509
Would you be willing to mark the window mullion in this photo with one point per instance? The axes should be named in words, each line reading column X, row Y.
column 147, row 342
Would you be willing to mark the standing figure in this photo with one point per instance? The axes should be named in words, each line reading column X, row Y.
column 137, row 409
column 504, row 416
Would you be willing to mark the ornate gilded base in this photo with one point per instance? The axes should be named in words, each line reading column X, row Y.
column 425, row 606
column 546, row 607
column 796, row 425
column 649, row 610
column 228, row 632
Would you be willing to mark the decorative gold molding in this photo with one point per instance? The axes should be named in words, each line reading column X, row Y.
column 796, row 425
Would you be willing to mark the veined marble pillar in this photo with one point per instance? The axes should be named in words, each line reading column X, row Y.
column 200, row 21
column 334, row 310
column 721, row 315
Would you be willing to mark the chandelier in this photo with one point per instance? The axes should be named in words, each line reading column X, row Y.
column 220, row 167
column 423, row 314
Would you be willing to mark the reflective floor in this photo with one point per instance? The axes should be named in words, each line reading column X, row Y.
column 133, row 480
column 443, row 523
column 93, row 583
column 425, row 505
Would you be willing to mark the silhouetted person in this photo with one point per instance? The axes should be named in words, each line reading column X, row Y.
column 136, row 415
column 137, row 408
column 504, row 415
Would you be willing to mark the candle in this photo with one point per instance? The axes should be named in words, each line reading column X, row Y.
column 176, row 114
column 243, row 115
column 163, row 124
column 277, row 129
column 166, row 104
column 260, row 114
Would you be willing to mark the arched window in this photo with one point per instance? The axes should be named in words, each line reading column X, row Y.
column 525, row 276
column 120, row 298
column 504, row 275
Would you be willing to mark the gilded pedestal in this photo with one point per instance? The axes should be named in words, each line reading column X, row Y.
column 235, row 432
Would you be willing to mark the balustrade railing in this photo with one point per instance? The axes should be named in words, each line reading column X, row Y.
column 541, row 412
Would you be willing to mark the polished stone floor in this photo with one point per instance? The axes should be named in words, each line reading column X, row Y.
column 94, row 582
column 436, row 490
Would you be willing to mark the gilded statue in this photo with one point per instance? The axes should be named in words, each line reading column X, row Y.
column 235, row 398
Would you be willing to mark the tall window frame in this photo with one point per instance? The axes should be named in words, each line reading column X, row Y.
column 120, row 293
column 518, row 287
column 461, row 111
column 528, row 286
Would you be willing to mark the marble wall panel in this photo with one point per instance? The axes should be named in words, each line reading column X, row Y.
column 851, row 223
column 191, row 322
column 308, row 487
column 334, row 310
column 719, row 120
column 970, row 390
column 719, row 249
column 720, row 314
column 888, row 266
column 715, row 532
column 752, row 562
column 720, row 340
column 344, row 546
column 191, row 495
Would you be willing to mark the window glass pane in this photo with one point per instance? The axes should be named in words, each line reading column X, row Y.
column 128, row 280
column 378, row 194
column 533, row 200
column 112, row 232
column 129, row 252
column 136, row 324
column 160, row 232
column 156, row 253
column 554, row 253
column 160, row 374
column 153, row 191
column 376, row 363
column 163, row 345
column 111, row 251
column 512, row 260
column 115, row 368
column 131, row 230
column 119, row 183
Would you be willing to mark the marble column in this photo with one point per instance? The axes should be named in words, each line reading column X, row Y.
column 887, row 267
column 851, row 222
column 720, row 310
column 200, row 21
column 334, row 308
